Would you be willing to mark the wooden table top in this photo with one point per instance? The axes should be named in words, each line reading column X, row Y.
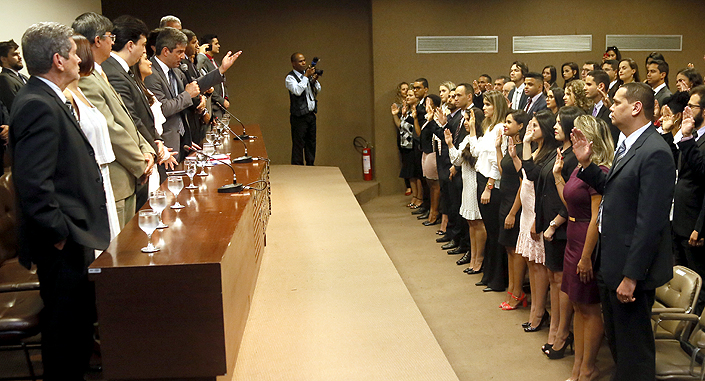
column 200, row 232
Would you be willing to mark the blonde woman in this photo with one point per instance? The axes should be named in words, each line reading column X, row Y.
column 575, row 95
column 579, row 282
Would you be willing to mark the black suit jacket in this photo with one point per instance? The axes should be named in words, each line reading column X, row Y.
column 133, row 98
column 58, row 182
column 635, row 240
column 522, row 101
column 443, row 163
column 688, row 198
column 10, row 84
column 604, row 114
column 4, row 120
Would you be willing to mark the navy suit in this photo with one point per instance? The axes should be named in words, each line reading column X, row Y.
column 538, row 105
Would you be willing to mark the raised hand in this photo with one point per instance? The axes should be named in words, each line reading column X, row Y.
column 475, row 87
column 228, row 61
column 582, row 148
column 512, row 149
column 606, row 101
column 667, row 119
column 498, row 141
column 441, row 117
column 395, row 109
column 529, row 135
column 688, row 124
column 448, row 137
column 558, row 165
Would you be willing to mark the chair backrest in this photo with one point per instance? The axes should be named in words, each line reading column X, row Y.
column 680, row 292
column 8, row 218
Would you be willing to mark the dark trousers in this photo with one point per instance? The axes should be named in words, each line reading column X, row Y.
column 629, row 333
column 495, row 263
column 69, row 311
column 303, row 139
column 694, row 260
column 141, row 195
column 457, row 226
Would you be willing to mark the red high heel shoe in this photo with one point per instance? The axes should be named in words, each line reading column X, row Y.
column 501, row 305
column 520, row 301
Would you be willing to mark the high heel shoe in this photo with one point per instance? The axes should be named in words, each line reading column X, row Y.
column 545, row 347
column 520, row 301
column 545, row 319
column 555, row 354
column 501, row 305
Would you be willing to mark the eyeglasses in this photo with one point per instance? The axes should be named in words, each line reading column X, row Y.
column 110, row 36
column 693, row 106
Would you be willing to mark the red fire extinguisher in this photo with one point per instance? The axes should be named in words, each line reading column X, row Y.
column 363, row 147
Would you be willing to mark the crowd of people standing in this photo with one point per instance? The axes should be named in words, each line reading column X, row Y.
column 525, row 174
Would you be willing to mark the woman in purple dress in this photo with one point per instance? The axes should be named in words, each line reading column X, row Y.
column 579, row 282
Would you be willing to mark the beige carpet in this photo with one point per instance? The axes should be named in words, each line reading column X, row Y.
column 481, row 341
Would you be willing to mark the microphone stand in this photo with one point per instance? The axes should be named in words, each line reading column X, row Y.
column 244, row 158
column 244, row 135
column 235, row 187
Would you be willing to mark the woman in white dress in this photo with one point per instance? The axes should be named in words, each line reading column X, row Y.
column 95, row 127
column 469, row 209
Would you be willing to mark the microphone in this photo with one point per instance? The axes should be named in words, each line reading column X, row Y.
column 235, row 187
column 184, row 68
column 244, row 158
column 244, row 133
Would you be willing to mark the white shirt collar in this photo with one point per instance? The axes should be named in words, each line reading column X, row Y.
column 98, row 68
column 629, row 141
column 54, row 87
column 661, row 86
column 613, row 83
column 165, row 68
column 121, row 61
column 598, row 105
column 536, row 97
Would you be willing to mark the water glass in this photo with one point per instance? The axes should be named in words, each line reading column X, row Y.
column 190, row 171
column 209, row 149
column 175, row 185
column 148, row 221
column 201, row 161
column 157, row 200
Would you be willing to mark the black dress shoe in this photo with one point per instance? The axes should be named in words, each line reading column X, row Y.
column 429, row 223
column 471, row 271
column 420, row 210
column 450, row 245
column 464, row 260
column 488, row 289
column 423, row 216
column 444, row 238
column 480, row 283
column 458, row 250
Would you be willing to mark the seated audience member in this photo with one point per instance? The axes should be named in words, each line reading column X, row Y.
column 628, row 71
column 499, row 82
column 596, row 83
column 134, row 157
column 588, row 67
column 549, row 76
column 612, row 53
column 657, row 78
column 687, row 79
column 533, row 89
column 170, row 21
column 575, row 96
column 611, row 67
column 569, row 71
column 11, row 80
column 62, row 214
column 554, row 99
column 517, row 98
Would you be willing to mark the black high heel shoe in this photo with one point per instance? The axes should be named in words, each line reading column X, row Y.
column 545, row 319
column 555, row 354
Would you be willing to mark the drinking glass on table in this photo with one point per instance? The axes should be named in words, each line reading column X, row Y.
column 190, row 165
column 176, row 184
column 226, row 119
column 157, row 200
column 208, row 149
column 148, row 221
column 201, row 161
column 210, row 137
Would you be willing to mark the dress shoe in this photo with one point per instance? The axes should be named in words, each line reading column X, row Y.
column 490, row 289
column 545, row 320
column 480, row 283
column 429, row 223
column 444, row 238
column 420, row 210
column 464, row 260
column 423, row 216
column 440, row 232
column 450, row 245
column 471, row 271
column 458, row 250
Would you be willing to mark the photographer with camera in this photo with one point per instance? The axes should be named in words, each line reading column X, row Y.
column 303, row 86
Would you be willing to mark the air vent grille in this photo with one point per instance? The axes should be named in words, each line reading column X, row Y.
column 456, row 44
column 645, row 43
column 552, row 44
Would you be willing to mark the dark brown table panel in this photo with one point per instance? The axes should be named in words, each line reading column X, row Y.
column 180, row 313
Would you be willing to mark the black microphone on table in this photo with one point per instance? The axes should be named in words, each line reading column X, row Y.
column 244, row 158
column 244, row 135
column 227, row 188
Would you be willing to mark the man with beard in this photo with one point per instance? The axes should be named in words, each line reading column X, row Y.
column 11, row 80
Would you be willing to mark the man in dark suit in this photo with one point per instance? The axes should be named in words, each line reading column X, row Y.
column 635, row 251
column 62, row 212
column 205, row 63
column 533, row 89
column 516, row 96
column 11, row 80
column 4, row 134
column 657, row 78
column 596, row 86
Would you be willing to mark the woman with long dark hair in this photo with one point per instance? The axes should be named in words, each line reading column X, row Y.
column 554, row 99
column 550, row 76
column 570, row 71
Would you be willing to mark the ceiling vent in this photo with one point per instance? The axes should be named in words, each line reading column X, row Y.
column 645, row 43
column 552, row 44
column 456, row 44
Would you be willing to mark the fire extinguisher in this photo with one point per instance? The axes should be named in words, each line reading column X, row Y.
column 364, row 148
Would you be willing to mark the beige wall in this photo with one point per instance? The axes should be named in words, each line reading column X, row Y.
column 268, row 33
column 15, row 19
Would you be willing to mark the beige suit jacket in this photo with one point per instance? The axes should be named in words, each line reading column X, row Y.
column 128, row 144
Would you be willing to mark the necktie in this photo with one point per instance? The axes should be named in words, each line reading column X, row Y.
column 594, row 112
column 620, row 153
column 173, row 83
column 71, row 109
column 528, row 105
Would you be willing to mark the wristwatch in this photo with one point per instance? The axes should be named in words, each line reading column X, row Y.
column 553, row 224
column 490, row 186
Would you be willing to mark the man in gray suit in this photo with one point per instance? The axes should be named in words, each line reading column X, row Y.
column 11, row 80
column 134, row 157
column 205, row 63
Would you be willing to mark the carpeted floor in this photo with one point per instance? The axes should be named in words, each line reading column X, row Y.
column 481, row 341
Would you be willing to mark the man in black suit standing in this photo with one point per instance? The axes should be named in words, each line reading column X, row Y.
column 62, row 212
column 635, row 251
column 533, row 89
column 596, row 86
column 516, row 96
column 11, row 80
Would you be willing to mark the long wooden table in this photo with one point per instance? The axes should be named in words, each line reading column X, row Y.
column 181, row 313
